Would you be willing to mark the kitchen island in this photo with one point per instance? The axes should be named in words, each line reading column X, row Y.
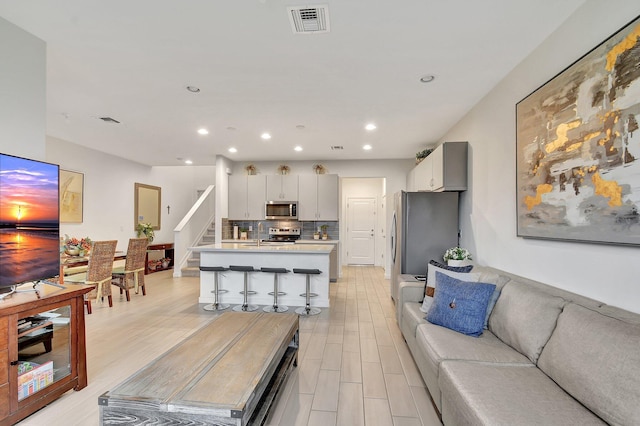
column 271, row 255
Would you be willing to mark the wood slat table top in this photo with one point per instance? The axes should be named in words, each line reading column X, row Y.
column 216, row 368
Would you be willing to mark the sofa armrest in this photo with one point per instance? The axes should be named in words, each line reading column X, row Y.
column 408, row 291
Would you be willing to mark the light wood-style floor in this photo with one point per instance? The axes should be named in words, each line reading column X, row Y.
column 354, row 367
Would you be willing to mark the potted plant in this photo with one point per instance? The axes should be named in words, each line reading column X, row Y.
column 319, row 169
column 251, row 169
column 145, row 229
column 283, row 169
column 457, row 256
column 324, row 227
column 243, row 233
column 423, row 154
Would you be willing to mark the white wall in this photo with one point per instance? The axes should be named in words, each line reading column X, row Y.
column 109, row 191
column 488, row 216
column 22, row 93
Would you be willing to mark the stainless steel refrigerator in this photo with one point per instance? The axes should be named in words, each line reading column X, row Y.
column 424, row 225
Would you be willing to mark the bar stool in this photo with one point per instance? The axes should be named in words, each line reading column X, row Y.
column 275, row 292
column 308, row 310
column 245, row 307
column 216, row 305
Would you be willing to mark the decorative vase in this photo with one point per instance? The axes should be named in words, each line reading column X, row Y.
column 455, row 262
column 325, row 237
column 72, row 251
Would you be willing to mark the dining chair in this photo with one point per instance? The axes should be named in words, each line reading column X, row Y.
column 98, row 272
column 132, row 273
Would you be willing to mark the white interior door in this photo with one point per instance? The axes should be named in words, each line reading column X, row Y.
column 361, row 230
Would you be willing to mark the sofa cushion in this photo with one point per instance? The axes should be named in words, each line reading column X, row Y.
column 524, row 318
column 497, row 279
column 460, row 305
column 498, row 394
column 459, row 272
column 442, row 344
column 597, row 360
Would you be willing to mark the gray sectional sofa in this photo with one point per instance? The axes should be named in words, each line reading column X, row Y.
column 549, row 357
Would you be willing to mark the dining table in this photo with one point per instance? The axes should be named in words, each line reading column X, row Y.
column 68, row 261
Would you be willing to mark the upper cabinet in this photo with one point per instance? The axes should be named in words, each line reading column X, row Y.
column 318, row 197
column 445, row 169
column 247, row 196
column 282, row 187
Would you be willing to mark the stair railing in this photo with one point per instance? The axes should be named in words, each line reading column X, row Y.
column 192, row 227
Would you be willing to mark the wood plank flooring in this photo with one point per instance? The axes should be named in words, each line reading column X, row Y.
column 354, row 367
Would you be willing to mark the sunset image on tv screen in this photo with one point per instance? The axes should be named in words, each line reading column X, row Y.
column 29, row 220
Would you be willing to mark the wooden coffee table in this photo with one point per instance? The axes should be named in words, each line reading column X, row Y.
column 226, row 373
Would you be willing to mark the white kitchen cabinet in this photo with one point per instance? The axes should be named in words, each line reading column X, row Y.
column 247, row 196
column 282, row 187
column 318, row 197
column 445, row 169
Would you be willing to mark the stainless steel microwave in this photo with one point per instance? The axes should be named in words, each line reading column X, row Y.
column 281, row 210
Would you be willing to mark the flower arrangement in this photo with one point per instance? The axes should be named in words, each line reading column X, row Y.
column 251, row 169
column 283, row 169
column 145, row 229
column 457, row 253
column 319, row 169
column 77, row 247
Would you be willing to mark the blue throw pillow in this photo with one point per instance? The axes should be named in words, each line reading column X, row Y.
column 460, row 305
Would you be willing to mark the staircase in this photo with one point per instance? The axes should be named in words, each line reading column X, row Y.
column 193, row 263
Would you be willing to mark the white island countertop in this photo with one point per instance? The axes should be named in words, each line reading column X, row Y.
column 252, row 247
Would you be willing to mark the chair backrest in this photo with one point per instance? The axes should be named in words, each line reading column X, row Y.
column 136, row 254
column 101, row 260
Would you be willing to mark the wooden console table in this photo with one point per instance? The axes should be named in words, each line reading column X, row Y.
column 167, row 248
column 68, row 355
column 226, row 373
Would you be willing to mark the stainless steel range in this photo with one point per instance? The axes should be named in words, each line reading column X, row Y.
column 283, row 235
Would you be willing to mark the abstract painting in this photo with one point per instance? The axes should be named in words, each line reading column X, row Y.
column 578, row 148
column 71, row 196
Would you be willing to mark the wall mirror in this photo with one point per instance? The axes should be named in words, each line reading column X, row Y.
column 147, row 205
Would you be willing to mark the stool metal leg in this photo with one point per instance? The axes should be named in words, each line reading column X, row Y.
column 216, row 306
column 308, row 310
column 246, row 307
column 276, row 293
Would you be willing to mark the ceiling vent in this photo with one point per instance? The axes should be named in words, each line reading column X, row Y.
column 109, row 120
column 337, row 147
column 309, row 19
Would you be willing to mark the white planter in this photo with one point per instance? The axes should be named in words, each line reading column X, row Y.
column 452, row 262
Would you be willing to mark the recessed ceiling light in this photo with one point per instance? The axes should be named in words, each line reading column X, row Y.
column 233, row 150
column 188, row 162
column 265, row 136
column 367, row 147
column 370, row 127
column 193, row 89
column 427, row 78
column 298, row 148
column 203, row 131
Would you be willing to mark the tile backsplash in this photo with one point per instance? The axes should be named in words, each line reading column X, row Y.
column 306, row 228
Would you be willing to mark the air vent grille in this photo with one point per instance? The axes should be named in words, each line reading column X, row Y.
column 109, row 120
column 309, row 19
column 337, row 147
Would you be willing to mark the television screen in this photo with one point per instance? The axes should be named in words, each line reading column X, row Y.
column 29, row 221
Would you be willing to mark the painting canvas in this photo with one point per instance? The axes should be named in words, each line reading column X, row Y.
column 71, row 196
column 578, row 148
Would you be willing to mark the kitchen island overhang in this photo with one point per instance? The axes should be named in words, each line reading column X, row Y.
column 289, row 256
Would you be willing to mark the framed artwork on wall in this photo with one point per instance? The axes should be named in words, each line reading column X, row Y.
column 578, row 148
column 71, row 196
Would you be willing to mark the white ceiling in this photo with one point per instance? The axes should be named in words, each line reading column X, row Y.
column 132, row 60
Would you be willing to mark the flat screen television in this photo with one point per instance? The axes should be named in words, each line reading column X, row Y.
column 29, row 221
